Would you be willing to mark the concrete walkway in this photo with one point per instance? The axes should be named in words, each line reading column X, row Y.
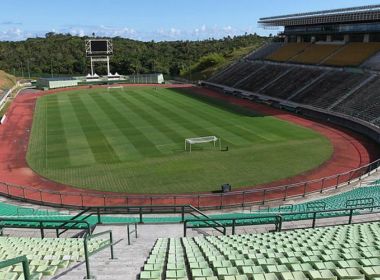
column 129, row 259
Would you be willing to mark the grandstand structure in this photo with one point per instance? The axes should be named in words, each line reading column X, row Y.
column 323, row 64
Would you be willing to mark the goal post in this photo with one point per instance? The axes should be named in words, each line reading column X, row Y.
column 199, row 140
column 109, row 88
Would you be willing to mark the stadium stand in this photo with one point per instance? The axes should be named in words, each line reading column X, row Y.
column 265, row 51
column 338, row 201
column 329, row 89
column 261, row 78
column 288, row 51
column 316, row 53
column 373, row 63
column 46, row 256
column 339, row 252
column 353, row 54
column 364, row 103
column 234, row 73
column 291, row 82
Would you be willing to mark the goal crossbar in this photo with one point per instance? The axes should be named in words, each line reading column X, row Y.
column 200, row 140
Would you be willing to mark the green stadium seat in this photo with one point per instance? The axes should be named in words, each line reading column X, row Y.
column 227, row 271
column 175, row 274
column 9, row 275
column 371, row 272
column 265, row 276
column 349, row 273
column 321, row 275
column 298, row 275
column 150, row 275
column 251, row 270
column 202, row 272
column 370, row 262
column 236, row 277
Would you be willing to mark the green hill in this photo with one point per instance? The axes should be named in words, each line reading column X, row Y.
column 6, row 80
column 208, row 65
column 65, row 54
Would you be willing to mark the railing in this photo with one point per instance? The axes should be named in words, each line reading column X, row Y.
column 243, row 198
column 88, row 254
column 129, row 232
column 43, row 224
column 147, row 210
column 278, row 219
column 25, row 265
column 268, row 219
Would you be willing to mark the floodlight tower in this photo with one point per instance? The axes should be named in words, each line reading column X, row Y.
column 99, row 50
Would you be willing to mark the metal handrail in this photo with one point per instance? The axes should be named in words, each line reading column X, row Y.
column 277, row 218
column 129, row 232
column 280, row 217
column 23, row 260
column 88, row 254
column 41, row 224
column 333, row 181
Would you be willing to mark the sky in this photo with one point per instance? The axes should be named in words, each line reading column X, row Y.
column 157, row 20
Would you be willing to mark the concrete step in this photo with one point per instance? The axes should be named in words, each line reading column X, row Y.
column 129, row 259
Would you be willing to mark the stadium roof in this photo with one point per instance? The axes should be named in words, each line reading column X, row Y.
column 355, row 14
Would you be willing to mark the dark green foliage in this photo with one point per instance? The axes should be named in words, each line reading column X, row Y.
column 64, row 54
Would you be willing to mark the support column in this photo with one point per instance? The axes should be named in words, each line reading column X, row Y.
column 92, row 66
column 366, row 38
column 108, row 66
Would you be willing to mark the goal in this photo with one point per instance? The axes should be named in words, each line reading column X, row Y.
column 110, row 88
column 199, row 140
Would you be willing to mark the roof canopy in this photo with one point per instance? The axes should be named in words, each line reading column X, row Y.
column 355, row 14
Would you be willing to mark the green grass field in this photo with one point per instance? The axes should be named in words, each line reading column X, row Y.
column 132, row 140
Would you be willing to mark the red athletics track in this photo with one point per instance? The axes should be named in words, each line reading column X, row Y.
column 351, row 151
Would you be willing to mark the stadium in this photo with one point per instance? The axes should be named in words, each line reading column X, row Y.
column 266, row 169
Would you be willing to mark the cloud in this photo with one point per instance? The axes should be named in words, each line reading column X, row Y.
column 10, row 22
column 161, row 34
column 14, row 34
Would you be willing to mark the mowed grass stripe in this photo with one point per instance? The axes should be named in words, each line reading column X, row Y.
column 56, row 143
column 147, row 113
column 135, row 136
column 80, row 152
column 97, row 141
column 244, row 123
column 124, row 149
column 152, row 132
column 233, row 122
column 36, row 155
column 185, row 120
column 264, row 126
column 218, row 128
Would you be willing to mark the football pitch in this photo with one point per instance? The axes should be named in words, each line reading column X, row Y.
column 132, row 140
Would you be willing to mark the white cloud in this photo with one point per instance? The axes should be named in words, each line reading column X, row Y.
column 14, row 34
column 173, row 33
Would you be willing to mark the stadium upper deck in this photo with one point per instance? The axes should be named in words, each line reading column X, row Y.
column 359, row 24
column 355, row 14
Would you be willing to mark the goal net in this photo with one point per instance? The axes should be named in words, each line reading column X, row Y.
column 200, row 140
column 110, row 88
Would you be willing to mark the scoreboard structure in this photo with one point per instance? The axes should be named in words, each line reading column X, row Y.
column 99, row 50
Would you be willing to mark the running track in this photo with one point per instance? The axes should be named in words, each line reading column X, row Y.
column 351, row 151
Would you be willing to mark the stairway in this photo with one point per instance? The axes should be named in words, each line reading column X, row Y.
column 129, row 259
